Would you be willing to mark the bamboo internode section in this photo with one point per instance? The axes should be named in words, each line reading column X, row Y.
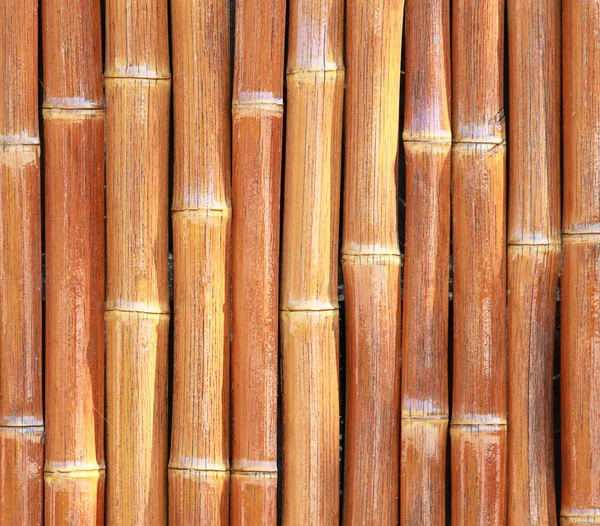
column 371, row 262
column 137, row 80
column 201, row 213
column 74, row 228
column 533, row 255
column 21, row 401
column 309, row 281
column 580, row 279
column 257, row 113
column 479, row 409
column 427, row 142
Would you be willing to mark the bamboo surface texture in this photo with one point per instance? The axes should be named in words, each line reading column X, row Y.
column 533, row 255
column 257, row 125
column 309, row 282
column 74, row 229
column 427, row 143
column 580, row 279
column 21, row 403
column 137, row 81
column 201, row 213
column 479, row 409
column 371, row 262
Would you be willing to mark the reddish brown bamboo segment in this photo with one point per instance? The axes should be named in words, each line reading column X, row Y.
column 480, row 376
column 137, row 305
column 256, row 179
column 371, row 262
column 21, row 401
column 532, row 286
column 74, row 219
column 199, row 463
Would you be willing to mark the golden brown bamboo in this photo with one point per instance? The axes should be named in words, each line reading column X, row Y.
column 580, row 279
column 257, row 109
column 479, row 410
column 427, row 142
column 533, row 255
column 309, row 275
column 201, row 211
column 74, row 220
column 21, row 403
column 371, row 262
column 137, row 81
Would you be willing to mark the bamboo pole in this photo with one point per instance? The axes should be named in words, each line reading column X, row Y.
column 257, row 111
column 21, row 403
column 479, row 409
column 201, row 211
column 137, row 81
column 580, row 280
column 309, row 275
column 74, row 220
column 533, row 255
column 427, row 142
column 371, row 262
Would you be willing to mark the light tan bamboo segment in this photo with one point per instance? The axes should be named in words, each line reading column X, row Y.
column 75, row 250
column 580, row 279
column 309, row 295
column 479, row 409
column 257, row 110
column 371, row 262
column 427, row 143
column 533, row 255
column 137, row 305
column 21, row 402
column 201, row 211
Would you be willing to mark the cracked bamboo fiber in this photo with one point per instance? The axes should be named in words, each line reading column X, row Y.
column 138, row 83
column 74, row 227
column 201, row 214
column 21, row 402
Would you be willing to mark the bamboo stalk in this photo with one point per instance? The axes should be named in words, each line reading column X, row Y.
column 309, row 296
column 580, row 280
column 533, row 255
column 137, row 81
column 74, row 220
column 256, row 178
column 371, row 262
column 427, row 142
column 21, row 403
column 201, row 211
column 479, row 409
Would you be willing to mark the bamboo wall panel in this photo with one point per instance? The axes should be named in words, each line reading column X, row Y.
column 533, row 255
column 371, row 262
column 427, row 142
column 137, row 81
column 201, row 211
column 74, row 222
column 257, row 109
column 309, row 296
column 580, row 279
column 21, row 404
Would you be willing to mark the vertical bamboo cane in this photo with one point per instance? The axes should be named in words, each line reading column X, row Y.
column 371, row 262
column 21, row 408
column 533, row 255
column 309, row 296
column 479, row 427
column 137, row 80
column 256, row 178
column 74, row 219
column 580, row 281
column 427, row 142
column 199, row 464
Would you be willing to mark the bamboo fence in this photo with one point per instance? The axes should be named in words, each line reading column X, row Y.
column 304, row 381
